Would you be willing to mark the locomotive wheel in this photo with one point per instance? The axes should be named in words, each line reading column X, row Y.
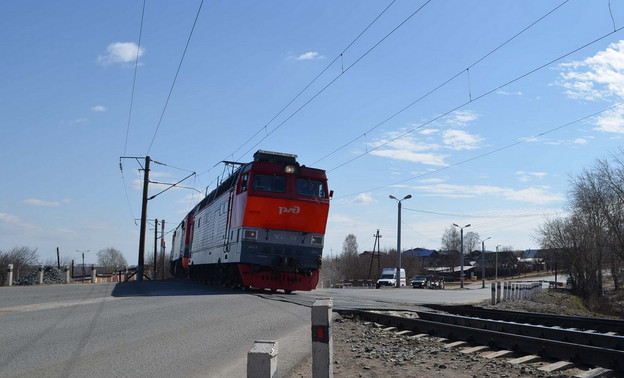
column 287, row 291
column 273, row 291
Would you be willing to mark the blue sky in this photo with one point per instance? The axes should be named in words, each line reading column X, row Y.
column 67, row 71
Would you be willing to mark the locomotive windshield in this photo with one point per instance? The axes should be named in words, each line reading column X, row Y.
column 313, row 188
column 269, row 183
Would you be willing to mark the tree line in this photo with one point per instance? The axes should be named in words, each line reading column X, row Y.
column 589, row 241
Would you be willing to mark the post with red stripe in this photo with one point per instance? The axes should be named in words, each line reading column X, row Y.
column 322, row 339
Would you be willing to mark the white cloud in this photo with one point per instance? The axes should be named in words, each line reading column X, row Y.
column 99, row 108
column 310, row 56
column 11, row 220
column 460, row 140
column 42, row 203
column 363, row 199
column 432, row 181
column 527, row 176
column 598, row 78
column 580, row 141
column 428, row 131
column 537, row 195
column 120, row 52
column 461, row 118
column 424, row 158
column 505, row 93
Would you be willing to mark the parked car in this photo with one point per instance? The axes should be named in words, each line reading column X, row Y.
column 419, row 282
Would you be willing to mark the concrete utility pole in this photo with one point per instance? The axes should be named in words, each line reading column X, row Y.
column 496, row 275
column 461, row 254
column 398, row 269
column 83, row 269
column 140, row 267
column 162, row 250
column 155, row 247
column 483, row 261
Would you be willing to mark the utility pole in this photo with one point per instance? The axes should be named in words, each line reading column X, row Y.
column 58, row 258
column 461, row 254
column 398, row 268
column 370, row 268
column 162, row 250
column 141, row 263
column 155, row 247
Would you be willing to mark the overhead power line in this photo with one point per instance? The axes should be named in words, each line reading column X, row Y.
column 525, row 140
column 188, row 41
column 479, row 98
column 337, row 77
column 136, row 64
column 441, row 85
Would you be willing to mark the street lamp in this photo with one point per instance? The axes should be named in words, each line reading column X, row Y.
column 461, row 255
column 483, row 261
column 83, row 271
column 398, row 269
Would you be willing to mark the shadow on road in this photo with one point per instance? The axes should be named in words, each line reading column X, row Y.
column 168, row 288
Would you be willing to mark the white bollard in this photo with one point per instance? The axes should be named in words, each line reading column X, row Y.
column 93, row 275
column 322, row 339
column 505, row 291
column 512, row 292
column 262, row 360
column 67, row 278
column 493, row 293
column 498, row 292
column 40, row 269
column 9, row 279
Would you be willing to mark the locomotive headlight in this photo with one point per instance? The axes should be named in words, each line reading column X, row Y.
column 250, row 234
column 318, row 240
column 289, row 169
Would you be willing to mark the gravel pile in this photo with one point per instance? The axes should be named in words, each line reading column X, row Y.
column 51, row 276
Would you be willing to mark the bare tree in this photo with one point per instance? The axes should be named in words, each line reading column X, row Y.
column 471, row 241
column 451, row 240
column 21, row 258
column 111, row 259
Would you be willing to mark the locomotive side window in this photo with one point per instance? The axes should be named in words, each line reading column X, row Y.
column 269, row 183
column 312, row 188
column 243, row 185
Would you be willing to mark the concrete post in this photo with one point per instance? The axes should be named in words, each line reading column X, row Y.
column 505, row 291
column 512, row 292
column 126, row 275
column 322, row 339
column 262, row 360
column 9, row 279
column 493, row 293
column 498, row 292
column 66, row 270
column 93, row 275
column 40, row 269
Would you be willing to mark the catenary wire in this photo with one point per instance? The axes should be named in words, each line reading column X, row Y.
column 136, row 65
column 188, row 41
column 478, row 98
column 439, row 86
column 486, row 153
column 337, row 77
column 315, row 78
column 309, row 84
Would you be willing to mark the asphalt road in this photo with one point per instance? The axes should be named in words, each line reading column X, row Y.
column 153, row 329
column 172, row 328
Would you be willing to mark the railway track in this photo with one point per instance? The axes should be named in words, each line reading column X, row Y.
column 591, row 349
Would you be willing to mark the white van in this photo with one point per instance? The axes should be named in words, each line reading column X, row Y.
column 388, row 278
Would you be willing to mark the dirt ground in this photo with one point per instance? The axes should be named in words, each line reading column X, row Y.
column 364, row 350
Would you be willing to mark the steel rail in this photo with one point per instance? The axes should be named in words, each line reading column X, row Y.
column 579, row 322
column 560, row 350
column 560, row 334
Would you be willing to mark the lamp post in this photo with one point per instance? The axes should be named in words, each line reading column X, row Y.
column 496, row 275
column 461, row 255
column 398, row 269
column 83, row 271
column 483, row 261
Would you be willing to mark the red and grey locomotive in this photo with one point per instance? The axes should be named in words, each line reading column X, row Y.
column 262, row 227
